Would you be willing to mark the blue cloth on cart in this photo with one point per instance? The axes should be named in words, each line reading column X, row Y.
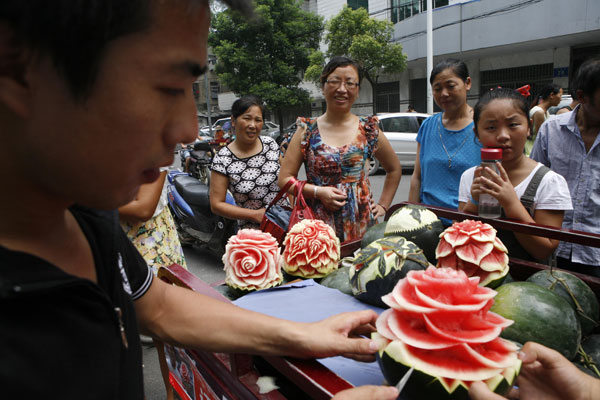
column 307, row 301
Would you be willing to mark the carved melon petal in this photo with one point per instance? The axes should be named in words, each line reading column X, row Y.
column 495, row 261
column 438, row 305
column 404, row 298
column 487, row 277
column 457, row 333
column 474, row 252
column 455, row 237
column 485, row 233
column 447, row 262
column 499, row 245
column 443, row 249
column 412, row 330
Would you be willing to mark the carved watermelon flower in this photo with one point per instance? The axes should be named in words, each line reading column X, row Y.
column 473, row 247
column 312, row 250
column 252, row 260
column 439, row 323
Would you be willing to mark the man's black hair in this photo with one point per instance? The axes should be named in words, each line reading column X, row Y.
column 587, row 79
column 74, row 34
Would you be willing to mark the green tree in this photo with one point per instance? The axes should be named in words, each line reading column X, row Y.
column 266, row 56
column 366, row 40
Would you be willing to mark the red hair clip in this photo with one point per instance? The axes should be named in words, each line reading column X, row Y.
column 524, row 90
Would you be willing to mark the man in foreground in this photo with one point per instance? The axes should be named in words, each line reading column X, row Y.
column 94, row 96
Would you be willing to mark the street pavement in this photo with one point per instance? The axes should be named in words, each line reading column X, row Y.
column 209, row 268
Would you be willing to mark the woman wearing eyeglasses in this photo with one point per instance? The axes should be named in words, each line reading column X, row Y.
column 335, row 148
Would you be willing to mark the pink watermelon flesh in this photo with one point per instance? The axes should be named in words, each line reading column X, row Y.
column 440, row 323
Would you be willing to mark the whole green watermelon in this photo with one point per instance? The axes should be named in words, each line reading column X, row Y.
column 339, row 279
column 575, row 291
column 379, row 266
column 373, row 233
column 419, row 225
column 539, row 315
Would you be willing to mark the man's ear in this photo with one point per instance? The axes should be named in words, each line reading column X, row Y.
column 579, row 95
column 14, row 64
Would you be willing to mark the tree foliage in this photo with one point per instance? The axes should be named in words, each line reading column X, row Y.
column 267, row 55
column 366, row 40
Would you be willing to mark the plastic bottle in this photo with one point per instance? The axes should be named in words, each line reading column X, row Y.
column 489, row 206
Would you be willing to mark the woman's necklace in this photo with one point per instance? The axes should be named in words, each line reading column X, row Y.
column 450, row 157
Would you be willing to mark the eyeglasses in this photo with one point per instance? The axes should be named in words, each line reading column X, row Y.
column 336, row 83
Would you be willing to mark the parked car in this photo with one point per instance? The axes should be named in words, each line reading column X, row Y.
column 205, row 130
column 401, row 130
column 270, row 129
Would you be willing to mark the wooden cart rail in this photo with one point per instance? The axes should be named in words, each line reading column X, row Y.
column 521, row 269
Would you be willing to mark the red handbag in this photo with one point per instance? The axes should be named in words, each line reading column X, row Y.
column 301, row 210
column 279, row 219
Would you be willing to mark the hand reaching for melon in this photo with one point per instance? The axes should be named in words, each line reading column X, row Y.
column 342, row 334
column 545, row 374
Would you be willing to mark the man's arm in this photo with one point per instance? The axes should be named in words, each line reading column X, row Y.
column 188, row 319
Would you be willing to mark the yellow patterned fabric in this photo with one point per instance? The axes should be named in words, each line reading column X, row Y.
column 157, row 240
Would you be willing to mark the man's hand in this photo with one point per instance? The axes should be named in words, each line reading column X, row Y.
column 545, row 374
column 368, row 392
column 341, row 334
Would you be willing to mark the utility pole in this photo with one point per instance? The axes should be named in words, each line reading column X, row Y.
column 429, row 55
column 207, row 91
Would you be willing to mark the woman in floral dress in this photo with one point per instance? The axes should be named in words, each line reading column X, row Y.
column 335, row 148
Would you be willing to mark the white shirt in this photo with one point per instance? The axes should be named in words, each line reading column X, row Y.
column 552, row 193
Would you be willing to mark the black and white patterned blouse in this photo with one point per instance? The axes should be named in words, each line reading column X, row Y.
column 252, row 180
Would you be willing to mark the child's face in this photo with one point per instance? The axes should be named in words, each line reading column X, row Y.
column 503, row 125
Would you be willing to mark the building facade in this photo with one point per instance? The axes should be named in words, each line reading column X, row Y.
column 505, row 43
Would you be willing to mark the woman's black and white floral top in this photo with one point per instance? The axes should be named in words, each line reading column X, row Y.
column 252, row 180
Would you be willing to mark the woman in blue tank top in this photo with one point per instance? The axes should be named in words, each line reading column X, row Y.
column 447, row 145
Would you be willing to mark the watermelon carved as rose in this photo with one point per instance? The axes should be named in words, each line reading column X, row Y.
column 472, row 246
column 439, row 323
column 312, row 250
column 252, row 260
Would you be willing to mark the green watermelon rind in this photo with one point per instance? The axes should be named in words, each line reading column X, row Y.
column 373, row 233
column 539, row 315
column 368, row 283
column 339, row 279
column 583, row 293
column 425, row 237
column 422, row 385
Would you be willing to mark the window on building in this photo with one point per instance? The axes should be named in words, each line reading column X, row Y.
column 356, row 4
column 402, row 9
column 537, row 76
column 388, row 97
column 214, row 90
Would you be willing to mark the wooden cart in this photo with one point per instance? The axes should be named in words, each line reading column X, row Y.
column 209, row 375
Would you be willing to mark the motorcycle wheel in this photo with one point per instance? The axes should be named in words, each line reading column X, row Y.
column 203, row 174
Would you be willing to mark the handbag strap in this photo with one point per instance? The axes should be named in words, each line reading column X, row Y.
column 283, row 191
column 299, row 195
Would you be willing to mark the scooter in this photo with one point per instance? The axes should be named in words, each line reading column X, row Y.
column 196, row 224
column 197, row 158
